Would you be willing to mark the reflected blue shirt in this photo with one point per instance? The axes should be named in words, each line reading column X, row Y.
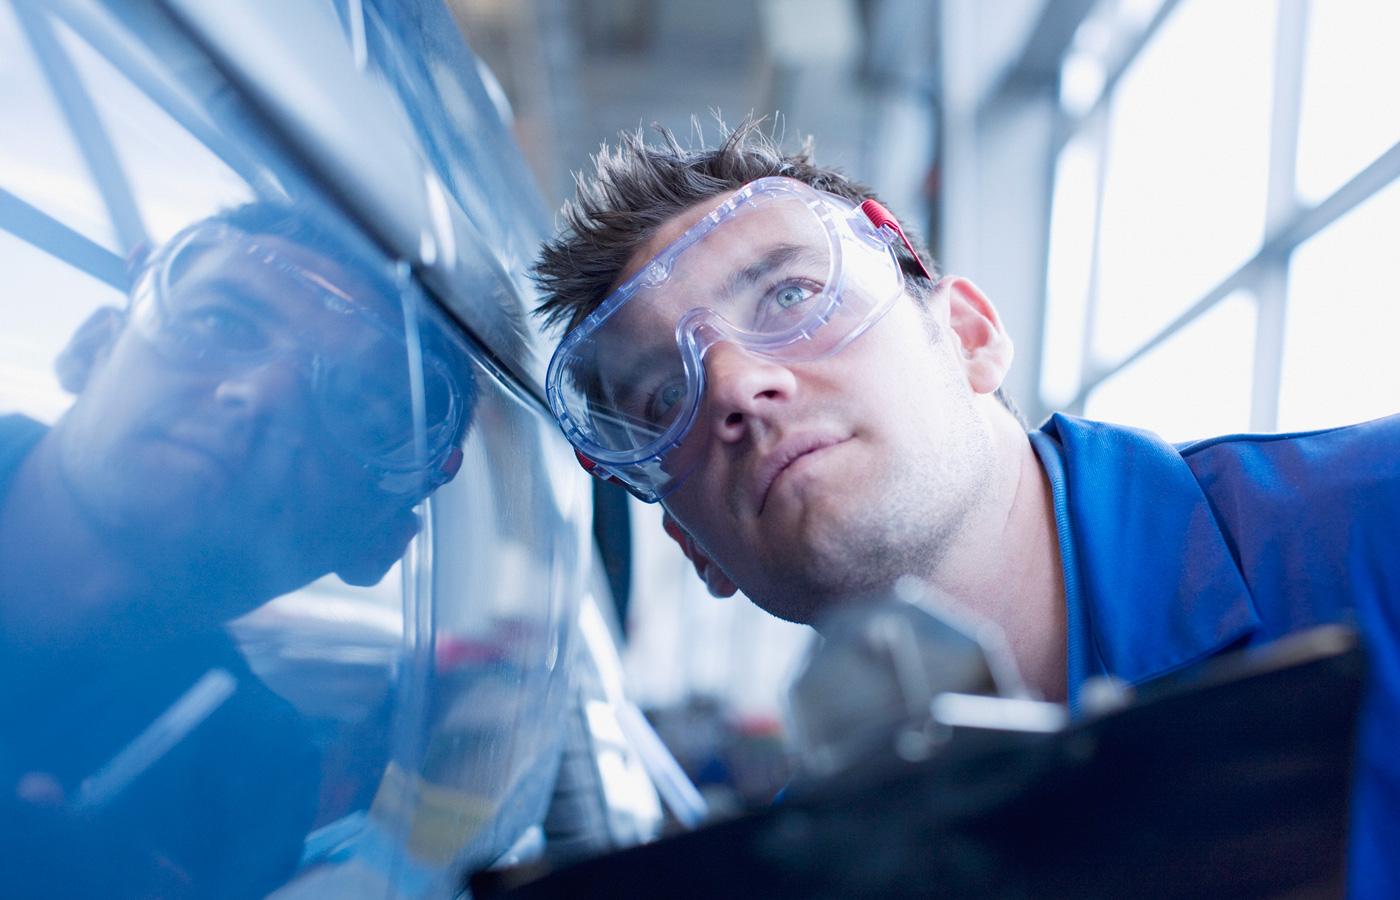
column 1172, row 554
column 222, row 812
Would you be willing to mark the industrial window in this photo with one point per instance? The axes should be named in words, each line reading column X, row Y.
column 1223, row 205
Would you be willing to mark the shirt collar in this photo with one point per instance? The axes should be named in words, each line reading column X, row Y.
column 1158, row 587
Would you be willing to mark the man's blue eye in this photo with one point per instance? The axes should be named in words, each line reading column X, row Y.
column 791, row 295
column 665, row 400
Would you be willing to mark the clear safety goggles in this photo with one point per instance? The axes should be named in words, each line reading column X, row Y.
column 215, row 300
column 780, row 269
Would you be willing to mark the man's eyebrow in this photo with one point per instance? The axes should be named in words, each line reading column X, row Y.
column 760, row 268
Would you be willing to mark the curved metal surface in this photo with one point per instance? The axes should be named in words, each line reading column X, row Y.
column 263, row 631
column 408, row 142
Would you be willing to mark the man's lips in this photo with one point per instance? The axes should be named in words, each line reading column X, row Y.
column 784, row 455
column 218, row 449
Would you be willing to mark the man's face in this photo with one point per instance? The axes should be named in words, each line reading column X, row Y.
column 759, row 274
column 818, row 481
column 203, row 426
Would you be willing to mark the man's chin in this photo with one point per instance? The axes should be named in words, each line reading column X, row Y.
column 809, row 603
column 836, row 569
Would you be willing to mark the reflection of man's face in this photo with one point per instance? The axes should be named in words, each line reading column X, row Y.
column 209, row 425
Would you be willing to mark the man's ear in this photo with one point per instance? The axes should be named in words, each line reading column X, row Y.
column 369, row 560
column 982, row 343
column 714, row 578
column 88, row 346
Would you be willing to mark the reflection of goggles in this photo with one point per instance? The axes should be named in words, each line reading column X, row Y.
column 780, row 269
column 256, row 306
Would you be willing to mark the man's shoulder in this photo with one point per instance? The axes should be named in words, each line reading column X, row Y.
column 18, row 435
column 1351, row 454
column 1326, row 463
column 1377, row 435
column 1333, row 479
column 1269, row 532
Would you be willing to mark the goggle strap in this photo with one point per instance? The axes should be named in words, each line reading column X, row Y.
column 405, row 483
column 450, row 466
column 597, row 471
column 447, row 471
column 882, row 219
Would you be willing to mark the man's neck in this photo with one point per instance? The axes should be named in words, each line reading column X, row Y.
column 1006, row 564
column 65, row 585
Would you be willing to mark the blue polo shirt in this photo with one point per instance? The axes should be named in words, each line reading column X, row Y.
column 1173, row 554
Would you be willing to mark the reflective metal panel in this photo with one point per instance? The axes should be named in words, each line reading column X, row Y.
column 363, row 100
column 289, row 564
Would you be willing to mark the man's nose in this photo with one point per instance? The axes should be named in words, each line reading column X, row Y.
column 743, row 388
column 261, row 389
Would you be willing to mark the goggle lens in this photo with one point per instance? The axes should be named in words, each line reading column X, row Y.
column 778, row 268
column 219, row 301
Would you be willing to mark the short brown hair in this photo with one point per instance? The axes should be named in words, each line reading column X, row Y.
column 637, row 188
